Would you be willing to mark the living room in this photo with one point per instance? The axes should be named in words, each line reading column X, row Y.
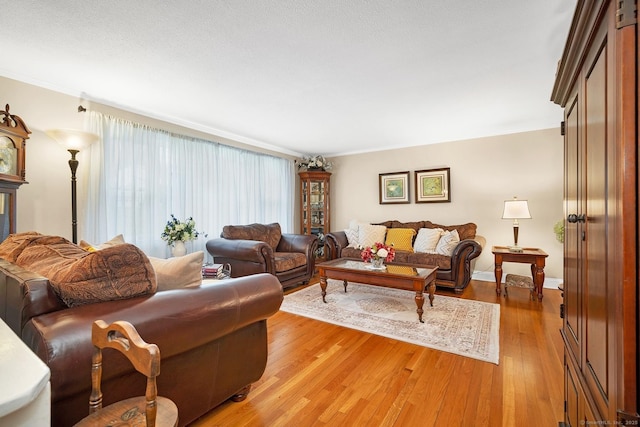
column 485, row 169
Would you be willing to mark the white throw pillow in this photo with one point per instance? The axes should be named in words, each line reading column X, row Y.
column 369, row 234
column 447, row 243
column 178, row 272
column 427, row 240
column 352, row 237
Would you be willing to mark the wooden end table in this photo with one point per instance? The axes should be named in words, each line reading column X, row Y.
column 534, row 256
column 398, row 276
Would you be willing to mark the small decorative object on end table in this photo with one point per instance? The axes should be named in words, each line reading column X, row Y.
column 535, row 257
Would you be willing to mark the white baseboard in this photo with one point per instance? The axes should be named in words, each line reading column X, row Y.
column 488, row 276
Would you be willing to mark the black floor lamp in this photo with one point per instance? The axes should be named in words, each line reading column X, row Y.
column 73, row 141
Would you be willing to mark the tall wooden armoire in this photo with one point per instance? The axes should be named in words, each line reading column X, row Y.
column 597, row 86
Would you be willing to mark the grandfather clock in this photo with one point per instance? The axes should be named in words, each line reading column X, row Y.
column 13, row 136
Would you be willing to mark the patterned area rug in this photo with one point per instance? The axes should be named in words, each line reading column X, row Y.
column 465, row 327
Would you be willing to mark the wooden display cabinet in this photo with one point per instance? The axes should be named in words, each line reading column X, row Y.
column 314, row 206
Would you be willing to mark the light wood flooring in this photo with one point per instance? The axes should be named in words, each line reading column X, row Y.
column 319, row 374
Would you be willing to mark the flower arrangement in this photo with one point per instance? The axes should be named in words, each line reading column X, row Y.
column 176, row 230
column 315, row 162
column 378, row 251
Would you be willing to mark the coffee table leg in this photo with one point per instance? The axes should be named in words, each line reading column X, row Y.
column 419, row 303
column 323, row 286
column 344, row 283
column 432, row 291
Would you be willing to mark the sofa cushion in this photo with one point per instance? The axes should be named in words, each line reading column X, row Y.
column 268, row 233
column 448, row 242
column 286, row 261
column 178, row 272
column 117, row 240
column 427, row 240
column 416, row 225
column 80, row 277
column 400, row 238
column 14, row 244
column 465, row 231
column 442, row 261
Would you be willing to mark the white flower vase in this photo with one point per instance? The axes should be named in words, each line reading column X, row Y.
column 179, row 248
column 377, row 263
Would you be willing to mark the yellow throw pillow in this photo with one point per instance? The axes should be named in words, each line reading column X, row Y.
column 400, row 238
column 118, row 240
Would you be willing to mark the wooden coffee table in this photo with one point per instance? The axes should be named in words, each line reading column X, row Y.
column 399, row 276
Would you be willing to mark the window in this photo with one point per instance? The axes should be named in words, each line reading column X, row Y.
column 137, row 176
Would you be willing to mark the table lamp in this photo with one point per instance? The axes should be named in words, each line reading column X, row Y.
column 516, row 209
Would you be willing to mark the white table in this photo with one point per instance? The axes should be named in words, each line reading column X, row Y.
column 25, row 390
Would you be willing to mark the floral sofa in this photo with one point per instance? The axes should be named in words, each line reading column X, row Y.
column 453, row 248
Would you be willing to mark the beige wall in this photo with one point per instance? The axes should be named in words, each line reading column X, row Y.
column 484, row 173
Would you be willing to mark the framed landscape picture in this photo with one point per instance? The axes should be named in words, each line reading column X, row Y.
column 433, row 185
column 394, row 188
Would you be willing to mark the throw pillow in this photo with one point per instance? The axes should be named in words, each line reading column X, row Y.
column 117, row 240
column 400, row 238
column 448, row 242
column 352, row 237
column 14, row 244
column 178, row 272
column 427, row 240
column 369, row 234
column 79, row 277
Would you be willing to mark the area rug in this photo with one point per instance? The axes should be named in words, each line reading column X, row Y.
column 464, row 327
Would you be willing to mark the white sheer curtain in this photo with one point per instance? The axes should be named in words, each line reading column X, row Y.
column 138, row 176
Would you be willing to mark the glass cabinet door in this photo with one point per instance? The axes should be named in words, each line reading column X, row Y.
column 314, row 198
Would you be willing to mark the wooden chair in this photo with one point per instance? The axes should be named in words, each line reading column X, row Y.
column 143, row 410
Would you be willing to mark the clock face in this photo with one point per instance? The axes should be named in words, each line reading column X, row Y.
column 8, row 156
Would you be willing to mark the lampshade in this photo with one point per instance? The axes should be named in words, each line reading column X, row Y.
column 516, row 209
column 72, row 139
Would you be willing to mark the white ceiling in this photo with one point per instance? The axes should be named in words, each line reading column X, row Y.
column 302, row 76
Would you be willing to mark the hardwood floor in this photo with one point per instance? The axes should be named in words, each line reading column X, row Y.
column 319, row 374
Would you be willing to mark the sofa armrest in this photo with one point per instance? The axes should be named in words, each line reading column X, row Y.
column 177, row 321
column 245, row 256
column 23, row 295
column 302, row 243
column 335, row 242
column 461, row 257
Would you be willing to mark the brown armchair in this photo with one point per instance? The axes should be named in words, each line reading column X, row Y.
column 263, row 248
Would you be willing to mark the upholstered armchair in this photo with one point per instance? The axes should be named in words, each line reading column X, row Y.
column 263, row 248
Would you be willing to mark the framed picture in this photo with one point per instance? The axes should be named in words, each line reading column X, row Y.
column 433, row 185
column 394, row 188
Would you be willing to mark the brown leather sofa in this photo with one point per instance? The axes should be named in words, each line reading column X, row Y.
column 263, row 248
column 453, row 271
column 212, row 340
